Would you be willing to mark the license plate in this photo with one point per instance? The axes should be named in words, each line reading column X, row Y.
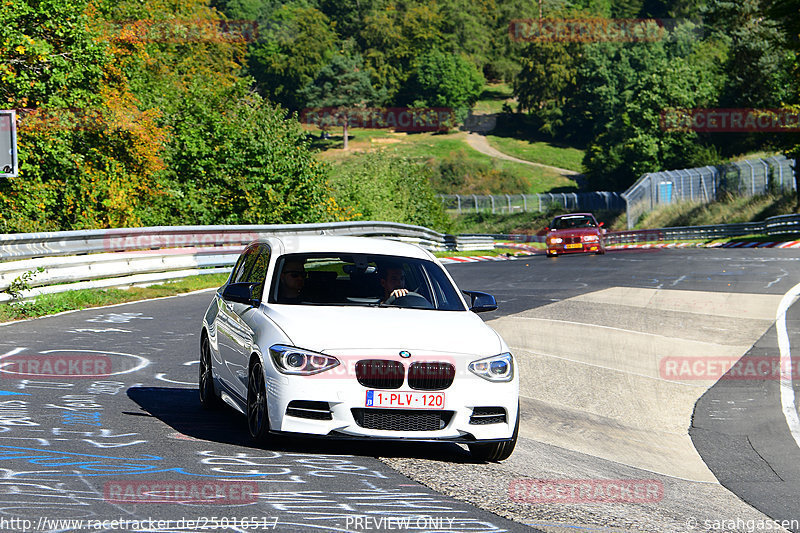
column 576, row 245
column 405, row 400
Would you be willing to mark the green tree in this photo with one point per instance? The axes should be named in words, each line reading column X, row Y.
column 759, row 64
column 624, row 88
column 241, row 160
column 231, row 156
column 785, row 13
column 394, row 34
column 88, row 154
column 296, row 42
column 443, row 80
column 344, row 88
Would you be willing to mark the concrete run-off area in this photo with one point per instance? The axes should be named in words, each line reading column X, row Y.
column 598, row 408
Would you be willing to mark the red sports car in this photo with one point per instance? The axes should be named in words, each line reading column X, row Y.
column 576, row 232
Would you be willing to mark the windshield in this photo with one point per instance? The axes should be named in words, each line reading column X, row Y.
column 576, row 221
column 363, row 280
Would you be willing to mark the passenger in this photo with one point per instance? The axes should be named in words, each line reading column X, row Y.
column 393, row 282
column 293, row 279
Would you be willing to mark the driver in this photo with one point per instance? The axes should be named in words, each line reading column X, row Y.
column 292, row 281
column 393, row 282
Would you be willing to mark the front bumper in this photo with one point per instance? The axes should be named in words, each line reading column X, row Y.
column 344, row 394
column 585, row 247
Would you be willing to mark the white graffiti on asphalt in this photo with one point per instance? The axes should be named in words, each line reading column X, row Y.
column 119, row 318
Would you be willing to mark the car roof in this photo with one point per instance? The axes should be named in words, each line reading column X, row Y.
column 575, row 215
column 293, row 244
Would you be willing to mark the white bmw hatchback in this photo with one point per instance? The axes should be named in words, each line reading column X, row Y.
column 358, row 338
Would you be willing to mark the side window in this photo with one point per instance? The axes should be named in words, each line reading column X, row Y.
column 245, row 260
column 416, row 281
column 257, row 273
column 446, row 296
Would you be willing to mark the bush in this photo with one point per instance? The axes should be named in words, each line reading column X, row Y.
column 458, row 174
column 381, row 187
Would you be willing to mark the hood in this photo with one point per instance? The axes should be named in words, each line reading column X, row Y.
column 333, row 329
column 574, row 231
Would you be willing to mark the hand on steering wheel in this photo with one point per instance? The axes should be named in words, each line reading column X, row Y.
column 395, row 294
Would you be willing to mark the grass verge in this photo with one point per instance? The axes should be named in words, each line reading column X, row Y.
column 494, row 96
column 469, row 253
column 434, row 148
column 542, row 152
column 50, row 304
column 728, row 210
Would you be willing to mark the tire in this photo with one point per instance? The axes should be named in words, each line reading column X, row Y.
column 495, row 451
column 257, row 415
column 208, row 397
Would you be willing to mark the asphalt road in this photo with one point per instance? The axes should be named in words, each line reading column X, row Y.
column 127, row 446
column 136, row 447
column 737, row 427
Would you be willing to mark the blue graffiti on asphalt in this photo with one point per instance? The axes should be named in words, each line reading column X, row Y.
column 11, row 393
column 89, row 419
column 94, row 465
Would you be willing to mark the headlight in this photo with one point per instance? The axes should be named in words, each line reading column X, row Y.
column 556, row 240
column 290, row 360
column 590, row 238
column 495, row 368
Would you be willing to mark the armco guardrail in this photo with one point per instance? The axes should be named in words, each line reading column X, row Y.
column 773, row 226
column 118, row 257
column 111, row 258
column 26, row 245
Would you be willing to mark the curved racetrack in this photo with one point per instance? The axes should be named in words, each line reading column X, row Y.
column 620, row 358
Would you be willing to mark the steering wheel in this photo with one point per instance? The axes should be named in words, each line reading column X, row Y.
column 392, row 299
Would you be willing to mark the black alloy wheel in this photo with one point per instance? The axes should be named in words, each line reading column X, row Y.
column 257, row 416
column 208, row 398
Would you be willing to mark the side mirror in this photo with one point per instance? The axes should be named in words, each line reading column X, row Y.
column 601, row 224
column 241, row 293
column 481, row 302
column 547, row 228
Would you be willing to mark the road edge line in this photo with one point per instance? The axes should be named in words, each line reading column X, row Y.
column 787, row 390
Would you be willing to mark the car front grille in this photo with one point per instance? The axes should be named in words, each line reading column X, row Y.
column 572, row 240
column 380, row 373
column 402, row 419
column 431, row 376
column 309, row 409
column 487, row 415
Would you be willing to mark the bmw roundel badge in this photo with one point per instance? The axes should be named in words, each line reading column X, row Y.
column 404, row 354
